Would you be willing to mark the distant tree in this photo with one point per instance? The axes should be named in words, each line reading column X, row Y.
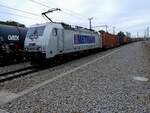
column 121, row 34
column 12, row 23
column 101, row 31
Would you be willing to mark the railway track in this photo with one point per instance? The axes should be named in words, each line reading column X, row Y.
column 17, row 73
column 25, row 70
column 13, row 74
column 21, row 70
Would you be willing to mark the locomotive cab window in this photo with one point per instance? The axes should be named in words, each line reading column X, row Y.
column 36, row 31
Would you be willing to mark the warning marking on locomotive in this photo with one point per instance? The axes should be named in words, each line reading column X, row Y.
column 20, row 94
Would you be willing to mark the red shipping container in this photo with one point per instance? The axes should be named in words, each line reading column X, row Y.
column 125, row 40
column 108, row 40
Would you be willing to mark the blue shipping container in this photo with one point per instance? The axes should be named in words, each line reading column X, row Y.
column 120, row 40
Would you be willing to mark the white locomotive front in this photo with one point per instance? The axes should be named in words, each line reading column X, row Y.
column 51, row 39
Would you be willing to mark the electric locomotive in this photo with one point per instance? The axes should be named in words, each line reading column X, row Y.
column 45, row 41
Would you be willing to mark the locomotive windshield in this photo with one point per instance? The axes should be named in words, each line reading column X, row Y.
column 35, row 31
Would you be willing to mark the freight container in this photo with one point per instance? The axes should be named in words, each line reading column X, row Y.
column 126, row 40
column 120, row 37
column 120, row 40
column 108, row 40
column 104, row 39
column 113, row 40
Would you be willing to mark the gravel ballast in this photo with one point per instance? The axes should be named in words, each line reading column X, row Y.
column 105, row 86
column 30, row 80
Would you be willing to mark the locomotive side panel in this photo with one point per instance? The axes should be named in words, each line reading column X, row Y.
column 79, row 40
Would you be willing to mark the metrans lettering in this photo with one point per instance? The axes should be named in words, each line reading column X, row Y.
column 83, row 39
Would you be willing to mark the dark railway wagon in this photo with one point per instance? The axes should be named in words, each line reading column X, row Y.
column 11, row 43
column 120, row 37
column 120, row 40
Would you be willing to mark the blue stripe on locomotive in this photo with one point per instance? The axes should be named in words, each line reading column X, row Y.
column 83, row 39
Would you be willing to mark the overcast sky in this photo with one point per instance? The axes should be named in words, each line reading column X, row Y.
column 125, row 15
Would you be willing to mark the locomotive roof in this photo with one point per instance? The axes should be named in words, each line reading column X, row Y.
column 67, row 26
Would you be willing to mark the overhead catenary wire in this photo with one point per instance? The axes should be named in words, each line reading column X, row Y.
column 64, row 9
column 19, row 10
column 70, row 14
column 39, row 3
column 30, row 13
column 35, row 19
